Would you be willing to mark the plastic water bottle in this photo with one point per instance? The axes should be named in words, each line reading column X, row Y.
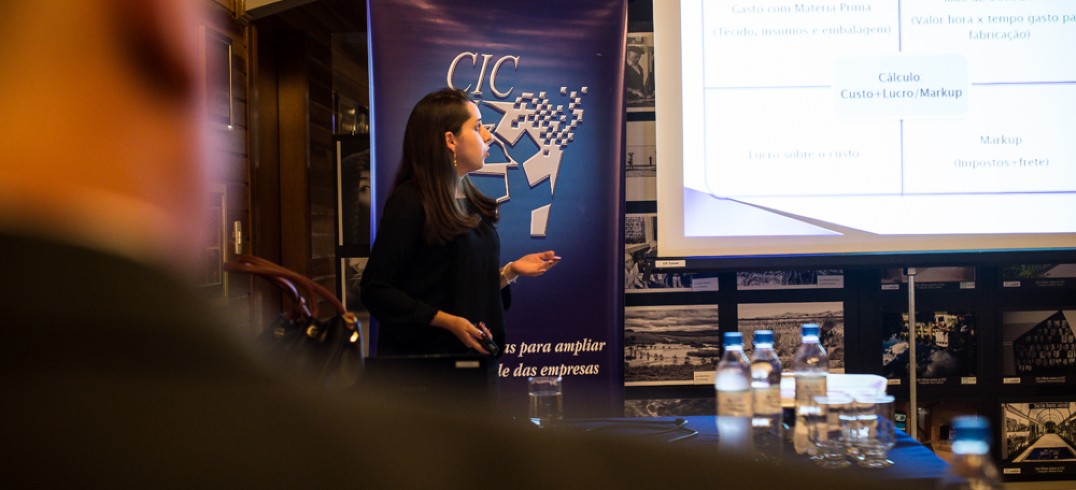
column 810, row 366
column 972, row 468
column 732, row 381
column 767, row 431
column 765, row 382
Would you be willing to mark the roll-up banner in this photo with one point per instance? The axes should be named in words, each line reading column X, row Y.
column 548, row 79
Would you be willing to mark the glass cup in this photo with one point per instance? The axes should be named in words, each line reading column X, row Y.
column 861, row 419
column 879, row 431
column 826, row 427
column 545, row 394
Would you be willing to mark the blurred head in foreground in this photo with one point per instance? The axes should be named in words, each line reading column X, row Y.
column 102, row 128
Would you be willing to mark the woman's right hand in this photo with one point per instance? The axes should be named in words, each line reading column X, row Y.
column 469, row 334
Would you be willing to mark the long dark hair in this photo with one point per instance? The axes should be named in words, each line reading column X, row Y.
column 428, row 163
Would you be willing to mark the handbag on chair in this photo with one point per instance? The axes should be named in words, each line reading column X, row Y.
column 326, row 352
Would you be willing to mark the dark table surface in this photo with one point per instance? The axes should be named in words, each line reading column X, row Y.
column 912, row 460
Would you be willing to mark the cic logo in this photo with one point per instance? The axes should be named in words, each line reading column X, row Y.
column 550, row 124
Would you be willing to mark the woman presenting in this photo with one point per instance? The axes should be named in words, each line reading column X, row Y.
column 434, row 281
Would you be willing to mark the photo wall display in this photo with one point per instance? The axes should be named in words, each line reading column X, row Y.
column 671, row 344
column 786, row 320
column 1038, row 347
column 1038, row 439
column 929, row 278
column 946, row 348
column 790, row 279
column 640, row 139
column 642, row 271
column 1039, row 276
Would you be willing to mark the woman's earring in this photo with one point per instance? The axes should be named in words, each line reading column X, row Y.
column 454, row 160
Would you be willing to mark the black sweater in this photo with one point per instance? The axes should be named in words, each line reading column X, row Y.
column 406, row 280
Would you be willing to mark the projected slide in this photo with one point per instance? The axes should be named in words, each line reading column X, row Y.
column 866, row 118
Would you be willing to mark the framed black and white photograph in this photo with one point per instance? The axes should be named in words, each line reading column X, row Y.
column 354, row 191
column 1039, row 276
column 641, row 161
column 639, row 72
column 640, row 248
column 790, row 279
column 1038, row 439
column 669, row 407
column 670, row 344
column 786, row 320
column 657, row 280
column 927, row 278
column 934, row 423
column 946, row 348
column 352, row 276
column 1038, row 347
column 641, row 275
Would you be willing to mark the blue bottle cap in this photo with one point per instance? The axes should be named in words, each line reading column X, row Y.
column 763, row 337
column 971, row 428
column 733, row 338
column 809, row 329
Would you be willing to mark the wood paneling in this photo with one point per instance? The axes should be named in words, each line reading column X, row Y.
column 231, row 143
column 293, row 171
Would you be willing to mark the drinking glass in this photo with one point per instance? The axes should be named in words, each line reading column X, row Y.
column 826, row 432
column 860, row 420
column 546, row 395
column 879, row 431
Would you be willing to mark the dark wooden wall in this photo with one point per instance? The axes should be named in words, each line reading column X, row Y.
column 280, row 153
column 231, row 140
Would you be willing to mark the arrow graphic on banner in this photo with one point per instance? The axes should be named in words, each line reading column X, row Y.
column 551, row 127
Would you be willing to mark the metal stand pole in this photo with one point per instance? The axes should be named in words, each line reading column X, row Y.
column 913, row 413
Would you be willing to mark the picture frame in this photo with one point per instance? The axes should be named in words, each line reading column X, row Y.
column 639, row 72
column 947, row 347
column 1038, row 346
column 670, row 344
column 785, row 319
column 1035, row 439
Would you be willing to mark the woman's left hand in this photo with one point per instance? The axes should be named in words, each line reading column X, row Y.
column 536, row 264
